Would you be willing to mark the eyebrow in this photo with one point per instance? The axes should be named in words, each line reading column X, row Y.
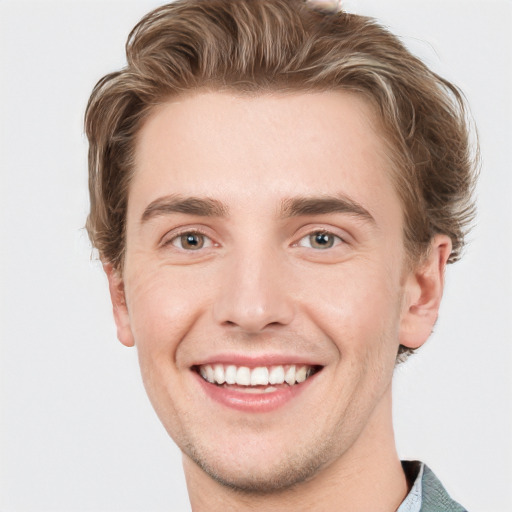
column 202, row 207
column 293, row 207
column 302, row 206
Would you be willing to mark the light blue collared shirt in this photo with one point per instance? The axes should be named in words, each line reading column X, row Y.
column 412, row 502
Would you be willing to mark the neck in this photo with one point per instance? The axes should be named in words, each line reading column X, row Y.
column 368, row 476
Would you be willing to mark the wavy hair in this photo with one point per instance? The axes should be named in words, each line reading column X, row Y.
column 255, row 46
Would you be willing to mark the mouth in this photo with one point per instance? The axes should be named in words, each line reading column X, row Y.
column 259, row 379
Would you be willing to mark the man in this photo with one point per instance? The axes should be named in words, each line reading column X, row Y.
column 276, row 188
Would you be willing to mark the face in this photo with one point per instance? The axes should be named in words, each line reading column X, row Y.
column 264, row 283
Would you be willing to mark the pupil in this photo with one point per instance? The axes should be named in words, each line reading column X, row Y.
column 322, row 240
column 192, row 241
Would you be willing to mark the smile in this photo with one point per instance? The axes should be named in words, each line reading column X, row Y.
column 254, row 386
column 258, row 379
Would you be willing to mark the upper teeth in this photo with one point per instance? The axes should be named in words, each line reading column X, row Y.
column 259, row 376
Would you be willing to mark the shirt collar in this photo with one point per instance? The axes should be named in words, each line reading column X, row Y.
column 412, row 502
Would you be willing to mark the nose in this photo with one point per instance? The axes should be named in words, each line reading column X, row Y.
column 255, row 294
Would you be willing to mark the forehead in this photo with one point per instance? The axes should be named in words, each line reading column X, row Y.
column 267, row 147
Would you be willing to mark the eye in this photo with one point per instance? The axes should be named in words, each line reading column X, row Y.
column 191, row 241
column 320, row 240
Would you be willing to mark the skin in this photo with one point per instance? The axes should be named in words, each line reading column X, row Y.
column 259, row 288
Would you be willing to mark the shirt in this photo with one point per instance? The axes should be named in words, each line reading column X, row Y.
column 427, row 494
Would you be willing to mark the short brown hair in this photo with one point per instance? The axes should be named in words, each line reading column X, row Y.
column 284, row 45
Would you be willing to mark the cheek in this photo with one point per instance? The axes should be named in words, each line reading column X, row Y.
column 357, row 304
column 162, row 311
column 162, row 307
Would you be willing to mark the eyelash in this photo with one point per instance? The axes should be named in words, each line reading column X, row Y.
column 336, row 240
column 189, row 232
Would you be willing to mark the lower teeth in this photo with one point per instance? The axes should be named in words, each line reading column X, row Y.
column 251, row 389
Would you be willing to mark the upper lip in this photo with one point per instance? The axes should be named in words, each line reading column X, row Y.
column 254, row 360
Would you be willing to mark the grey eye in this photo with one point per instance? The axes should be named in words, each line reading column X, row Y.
column 321, row 240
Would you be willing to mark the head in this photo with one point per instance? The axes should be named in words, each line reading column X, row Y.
column 222, row 61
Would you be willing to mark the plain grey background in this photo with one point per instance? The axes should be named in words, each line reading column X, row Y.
column 77, row 431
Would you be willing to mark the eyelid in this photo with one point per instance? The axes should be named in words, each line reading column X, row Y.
column 335, row 243
column 174, row 234
column 309, row 230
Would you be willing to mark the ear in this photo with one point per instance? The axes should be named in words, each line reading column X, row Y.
column 423, row 293
column 121, row 317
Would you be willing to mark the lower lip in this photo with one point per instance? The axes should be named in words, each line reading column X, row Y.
column 253, row 402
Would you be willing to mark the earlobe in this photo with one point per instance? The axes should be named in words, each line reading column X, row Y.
column 120, row 310
column 424, row 290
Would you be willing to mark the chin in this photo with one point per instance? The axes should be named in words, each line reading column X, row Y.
column 264, row 475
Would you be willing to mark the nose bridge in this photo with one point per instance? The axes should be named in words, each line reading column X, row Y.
column 254, row 294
